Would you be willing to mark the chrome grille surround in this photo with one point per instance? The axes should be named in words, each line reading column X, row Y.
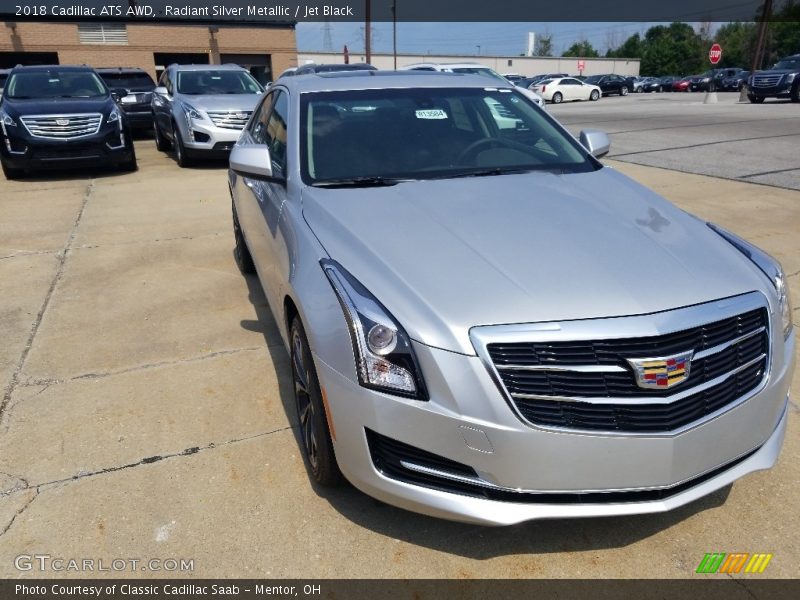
column 62, row 127
column 766, row 80
column 630, row 328
column 229, row 119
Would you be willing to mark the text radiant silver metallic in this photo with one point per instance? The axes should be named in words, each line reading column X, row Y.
column 464, row 252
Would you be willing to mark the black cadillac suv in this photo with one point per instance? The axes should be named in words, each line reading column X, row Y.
column 134, row 88
column 781, row 81
column 61, row 116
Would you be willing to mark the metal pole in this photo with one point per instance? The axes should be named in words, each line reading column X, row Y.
column 394, row 32
column 367, row 32
column 759, row 50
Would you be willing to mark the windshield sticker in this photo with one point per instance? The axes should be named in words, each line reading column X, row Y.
column 431, row 113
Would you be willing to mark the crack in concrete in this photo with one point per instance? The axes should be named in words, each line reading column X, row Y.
column 742, row 585
column 158, row 240
column 62, row 259
column 19, row 512
column 16, row 487
column 154, row 459
column 28, row 253
column 102, row 375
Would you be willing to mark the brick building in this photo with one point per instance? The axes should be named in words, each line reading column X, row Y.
column 266, row 49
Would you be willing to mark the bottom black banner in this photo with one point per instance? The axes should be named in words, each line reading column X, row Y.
column 342, row 589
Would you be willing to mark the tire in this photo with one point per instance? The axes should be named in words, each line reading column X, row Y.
column 241, row 253
column 557, row 98
column 315, row 436
column 130, row 165
column 180, row 150
column 623, row 91
column 640, row 90
column 794, row 95
column 12, row 173
column 594, row 96
column 162, row 143
column 756, row 99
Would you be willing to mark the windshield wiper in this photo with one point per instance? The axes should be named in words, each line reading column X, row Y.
column 360, row 182
column 485, row 173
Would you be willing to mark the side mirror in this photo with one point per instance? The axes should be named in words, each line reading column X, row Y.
column 161, row 91
column 595, row 141
column 251, row 159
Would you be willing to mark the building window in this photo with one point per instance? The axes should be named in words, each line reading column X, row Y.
column 103, row 33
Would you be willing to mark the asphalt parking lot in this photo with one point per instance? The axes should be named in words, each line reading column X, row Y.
column 739, row 141
column 146, row 406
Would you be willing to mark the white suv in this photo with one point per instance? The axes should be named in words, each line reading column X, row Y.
column 473, row 69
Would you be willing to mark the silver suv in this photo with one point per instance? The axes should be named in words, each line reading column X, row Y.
column 200, row 110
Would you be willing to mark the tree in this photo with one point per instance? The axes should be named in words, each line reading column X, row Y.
column 582, row 49
column 543, row 45
column 631, row 48
column 738, row 41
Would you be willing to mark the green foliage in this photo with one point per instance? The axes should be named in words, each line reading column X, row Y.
column 582, row 49
column 543, row 45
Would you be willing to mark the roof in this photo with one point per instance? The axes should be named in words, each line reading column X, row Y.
column 111, row 70
column 34, row 68
column 453, row 65
column 226, row 67
column 367, row 80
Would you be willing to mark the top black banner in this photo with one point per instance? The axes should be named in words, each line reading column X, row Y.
column 248, row 12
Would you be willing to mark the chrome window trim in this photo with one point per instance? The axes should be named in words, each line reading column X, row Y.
column 98, row 116
column 573, row 368
column 635, row 326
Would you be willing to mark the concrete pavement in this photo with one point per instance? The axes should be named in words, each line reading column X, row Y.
column 147, row 409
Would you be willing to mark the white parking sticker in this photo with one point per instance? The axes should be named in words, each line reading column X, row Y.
column 431, row 113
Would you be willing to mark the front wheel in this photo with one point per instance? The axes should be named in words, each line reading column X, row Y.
column 794, row 95
column 594, row 96
column 557, row 98
column 241, row 253
column 130, row 165
column 623, row 91
column 756, row 99
column 162, row 144
column 314, row 433
column 180, row 150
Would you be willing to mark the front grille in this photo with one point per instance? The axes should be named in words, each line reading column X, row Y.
column 402, row 462
column 62, row 127
column 566, row 384
column 229, row 119
column 766, row 80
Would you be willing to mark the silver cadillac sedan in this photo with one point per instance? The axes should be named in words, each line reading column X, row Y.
column 487, row 324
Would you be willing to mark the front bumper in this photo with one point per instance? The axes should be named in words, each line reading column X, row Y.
column 20, row 150
column 782, row 90
column 468, row 421
column 203, row 138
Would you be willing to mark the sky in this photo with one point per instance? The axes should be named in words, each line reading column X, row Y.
column 464, row 38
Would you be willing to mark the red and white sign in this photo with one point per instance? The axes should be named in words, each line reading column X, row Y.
column 581, row 65
column 715, row 54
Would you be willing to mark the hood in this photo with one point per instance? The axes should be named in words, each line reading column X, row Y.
column 60, row 106
column 447, row 255
column 245, row 102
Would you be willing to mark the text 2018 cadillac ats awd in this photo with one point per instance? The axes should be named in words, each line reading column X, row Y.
column 484, row 322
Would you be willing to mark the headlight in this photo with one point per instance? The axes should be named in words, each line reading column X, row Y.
column 770, row 267
column 790, row 77
column 191, row 112
column 384, row 358
column 114, row 116
column 7, row 120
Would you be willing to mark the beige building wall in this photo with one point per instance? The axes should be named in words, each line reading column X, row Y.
column 523, row 65
column 145, row 40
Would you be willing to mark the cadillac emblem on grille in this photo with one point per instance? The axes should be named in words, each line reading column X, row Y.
column 663, row 372
column 241, row 115
column 62, row 122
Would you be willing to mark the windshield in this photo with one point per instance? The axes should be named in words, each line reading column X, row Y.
column 593, row 78
column 55, row 83
column 430, row 133
column 789, row 64
column 207, row 83
column 128, row 80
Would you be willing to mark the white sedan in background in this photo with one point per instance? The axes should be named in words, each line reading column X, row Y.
column 564, row 89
